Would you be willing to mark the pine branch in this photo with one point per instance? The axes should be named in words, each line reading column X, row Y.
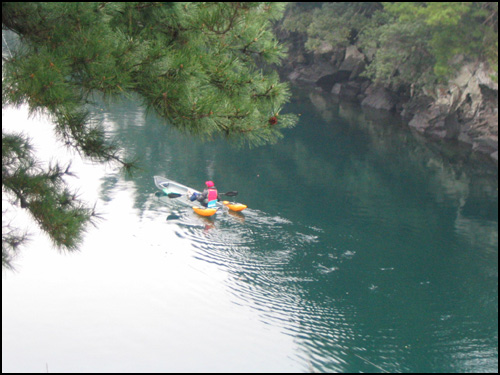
column 195, row 64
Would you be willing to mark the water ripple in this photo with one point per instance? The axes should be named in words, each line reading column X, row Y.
column 264, row 256
column 329, row 290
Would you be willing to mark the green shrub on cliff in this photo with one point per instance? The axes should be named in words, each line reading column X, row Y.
column 452, row 29
column 417, row 43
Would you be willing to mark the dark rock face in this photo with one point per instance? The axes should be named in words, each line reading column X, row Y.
column 379, row 97
column 464, row 110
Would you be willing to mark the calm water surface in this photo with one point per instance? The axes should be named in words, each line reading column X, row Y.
column 363, row 250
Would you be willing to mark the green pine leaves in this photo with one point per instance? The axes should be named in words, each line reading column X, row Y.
column 203, row 67
column 42, row 192
column 199, row 65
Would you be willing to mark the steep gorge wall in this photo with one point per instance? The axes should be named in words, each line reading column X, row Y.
column 465, row 110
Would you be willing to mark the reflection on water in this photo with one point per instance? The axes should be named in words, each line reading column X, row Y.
column 363, row 243
column 362, row 250
column 257, row 250
column 342, row 294
column 385, row 250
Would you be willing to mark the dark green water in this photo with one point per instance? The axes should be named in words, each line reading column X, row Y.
column 363, row 250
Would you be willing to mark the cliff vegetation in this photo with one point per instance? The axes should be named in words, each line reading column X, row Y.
column 435, row 63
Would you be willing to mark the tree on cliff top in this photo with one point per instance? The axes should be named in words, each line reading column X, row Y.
column 198, row 65
column 467, row 29
column 408, row 43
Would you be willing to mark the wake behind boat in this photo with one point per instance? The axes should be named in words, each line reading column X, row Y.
column 175, row 190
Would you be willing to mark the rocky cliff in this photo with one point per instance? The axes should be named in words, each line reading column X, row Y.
column 465, row 110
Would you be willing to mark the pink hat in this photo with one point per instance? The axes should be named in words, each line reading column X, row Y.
column 210, row 184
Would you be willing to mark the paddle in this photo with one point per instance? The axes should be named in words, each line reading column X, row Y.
column 170, row 195
column 174, row 195
column 177, row 195
column 230, row 193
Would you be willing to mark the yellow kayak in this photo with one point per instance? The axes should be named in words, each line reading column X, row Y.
column 236, row 207
column 204, row 211
column 173, row 189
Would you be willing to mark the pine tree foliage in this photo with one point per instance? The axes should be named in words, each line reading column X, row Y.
column 203, row 67
column 42, row 192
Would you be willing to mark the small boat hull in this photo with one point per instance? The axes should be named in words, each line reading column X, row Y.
column 173, row 189
column 205, row 211
column 236, row 207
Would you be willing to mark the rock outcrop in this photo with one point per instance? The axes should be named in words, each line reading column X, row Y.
column 465, row 110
